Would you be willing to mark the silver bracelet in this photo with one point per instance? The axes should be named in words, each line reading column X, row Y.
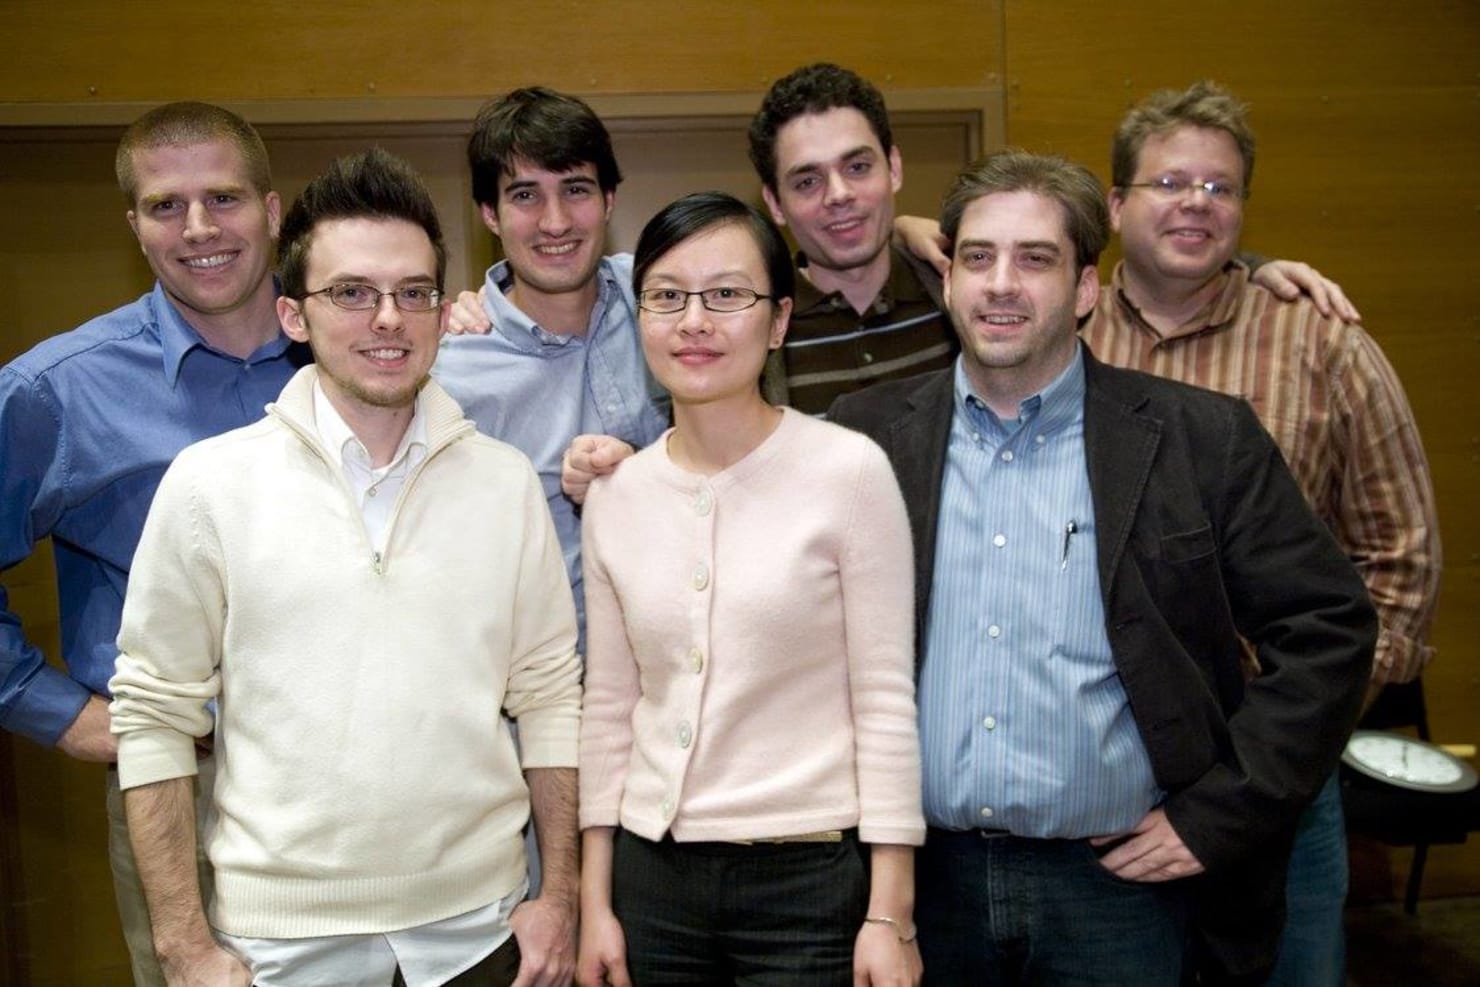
column 896, row 926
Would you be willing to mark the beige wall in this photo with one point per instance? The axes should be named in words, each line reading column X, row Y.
column 1367, row 114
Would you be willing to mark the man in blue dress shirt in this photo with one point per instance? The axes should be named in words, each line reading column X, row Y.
column 90, row 419
column 1095, row 548
column 563, row 358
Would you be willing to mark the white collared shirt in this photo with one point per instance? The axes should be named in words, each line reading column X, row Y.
column 375, row 488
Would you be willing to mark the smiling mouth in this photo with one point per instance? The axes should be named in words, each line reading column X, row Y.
column 557, row 250
column 844, row 225
column 208, row 263
column 386, row 354
column 1190, row 234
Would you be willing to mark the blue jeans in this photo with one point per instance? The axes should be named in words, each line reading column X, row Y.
column 1313, row 943
column 997, row 909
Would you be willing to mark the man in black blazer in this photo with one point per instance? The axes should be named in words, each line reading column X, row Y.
column 1097, row 551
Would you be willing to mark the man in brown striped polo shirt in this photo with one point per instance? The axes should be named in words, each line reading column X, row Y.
column 1180, row 305
column 865, row 312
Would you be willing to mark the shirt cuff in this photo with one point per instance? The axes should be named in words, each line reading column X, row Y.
column 1399, row 658
column 48, row 706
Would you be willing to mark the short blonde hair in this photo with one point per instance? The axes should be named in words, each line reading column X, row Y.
column 183, row 124
column 1203, row 104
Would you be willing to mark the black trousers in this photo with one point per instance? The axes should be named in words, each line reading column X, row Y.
column 765, row 915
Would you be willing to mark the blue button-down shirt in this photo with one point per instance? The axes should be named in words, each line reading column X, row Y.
column 537, row 390
column 89, row 420
column 1024, row 723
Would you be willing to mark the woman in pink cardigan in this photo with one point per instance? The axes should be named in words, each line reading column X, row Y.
column 750, row 781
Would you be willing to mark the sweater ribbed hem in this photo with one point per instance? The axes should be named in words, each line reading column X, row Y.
column 269, row 906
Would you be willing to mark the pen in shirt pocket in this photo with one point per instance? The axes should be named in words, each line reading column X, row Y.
column 1070, row 530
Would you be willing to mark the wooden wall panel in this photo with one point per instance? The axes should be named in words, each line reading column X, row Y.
column 1367, row 116
column 96, row 50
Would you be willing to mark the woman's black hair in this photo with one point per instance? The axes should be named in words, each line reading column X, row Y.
column 698, row 212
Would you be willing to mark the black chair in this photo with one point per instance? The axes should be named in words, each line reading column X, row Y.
column 1398, row 816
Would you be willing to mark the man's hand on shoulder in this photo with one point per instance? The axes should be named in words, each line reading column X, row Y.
column 1289, row 279
column 205, row 966
column 923, row 238
column 1152, row 852
column 466, row 316
column 90, row 737
column 588, row 457
column 545, row 928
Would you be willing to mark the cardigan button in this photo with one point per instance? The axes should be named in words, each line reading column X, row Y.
column 703, row 503
column 685, row 735
column 701, row 576
column 696, row 660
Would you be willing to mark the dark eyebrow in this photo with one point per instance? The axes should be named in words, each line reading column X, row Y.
column 410, row 281
column 1047, row 245
column 861, row 150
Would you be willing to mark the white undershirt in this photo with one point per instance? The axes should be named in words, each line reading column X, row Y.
column 428, row 955
column 375, row 488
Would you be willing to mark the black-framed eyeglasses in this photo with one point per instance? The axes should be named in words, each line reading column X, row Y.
column 669, row 301
column 355, row 297
column 1174, row 187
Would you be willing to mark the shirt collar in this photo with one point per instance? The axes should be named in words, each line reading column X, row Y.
column 1055, row 407
column 343, row 446
column 901, row 286
column 521, row 331
column 1220, row 310
column 178, row 337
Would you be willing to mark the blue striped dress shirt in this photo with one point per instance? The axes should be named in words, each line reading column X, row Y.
column 1024, row 723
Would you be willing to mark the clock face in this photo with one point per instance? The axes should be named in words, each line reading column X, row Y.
column 1407, row 762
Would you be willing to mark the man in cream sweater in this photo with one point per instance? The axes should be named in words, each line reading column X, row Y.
column 334, row 580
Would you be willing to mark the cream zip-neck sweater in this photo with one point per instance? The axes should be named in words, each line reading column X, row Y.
column 365, row 781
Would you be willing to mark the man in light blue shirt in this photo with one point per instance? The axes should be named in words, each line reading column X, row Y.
column 1095, row 548
column 563, row 357
column 90, row 419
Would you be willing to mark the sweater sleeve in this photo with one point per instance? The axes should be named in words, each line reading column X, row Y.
column 877, row 582
column 169, row 641
column 612, row 687
column 544, row 688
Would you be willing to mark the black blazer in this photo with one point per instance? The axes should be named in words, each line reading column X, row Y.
column 1204, row 541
